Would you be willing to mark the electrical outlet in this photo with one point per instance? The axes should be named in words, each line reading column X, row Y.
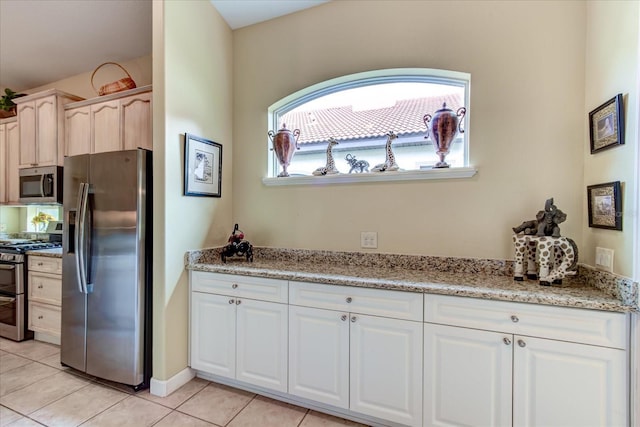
column 604, row 259
column 369, row 239
column 3, row 227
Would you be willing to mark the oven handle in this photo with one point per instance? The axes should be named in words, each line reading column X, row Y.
column 80, row 237
column 7, row 267
column 7, row 300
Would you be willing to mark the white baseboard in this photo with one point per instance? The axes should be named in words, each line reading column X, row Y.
column 163, row 388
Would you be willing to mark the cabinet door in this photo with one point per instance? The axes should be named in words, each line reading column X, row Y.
column 46, row 131
column 105, row 129
column 12, row 134
column 386, row 368
column 261, row 343
column 27, row 126
column 467, row 377
column 4, row 173
column 78, row 131
column 319, row 355
column 213, row 333
column 557, row 383
column 135, row 113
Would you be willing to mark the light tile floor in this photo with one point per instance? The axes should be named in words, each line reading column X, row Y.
column 36, row 390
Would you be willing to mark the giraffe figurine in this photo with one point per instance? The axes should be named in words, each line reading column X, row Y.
column 330, row 168
column 390, row 161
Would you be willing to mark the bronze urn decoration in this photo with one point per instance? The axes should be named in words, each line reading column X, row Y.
column 445, row 124
column 285, row 142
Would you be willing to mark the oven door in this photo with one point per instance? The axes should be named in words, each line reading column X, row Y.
column 13, row 317
column 11, row 278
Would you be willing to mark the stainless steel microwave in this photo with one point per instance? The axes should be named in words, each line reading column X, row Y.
column 41, row 185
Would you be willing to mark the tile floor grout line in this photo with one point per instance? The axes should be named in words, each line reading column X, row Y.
column 305, row 416
column 243, row 408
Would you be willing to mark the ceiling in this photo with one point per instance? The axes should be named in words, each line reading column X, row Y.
column 42, row 41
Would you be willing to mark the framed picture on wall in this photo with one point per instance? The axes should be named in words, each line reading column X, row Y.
column 606, row 125
column 202, row 167
column 605, row 205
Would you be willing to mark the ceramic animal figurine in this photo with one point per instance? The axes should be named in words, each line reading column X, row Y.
column 330, row 168
column 390, row 161
column 557, row 258
column 357, row 165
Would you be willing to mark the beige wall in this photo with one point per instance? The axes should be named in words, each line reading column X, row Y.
column 80, row 85
column 611, row 68
column 192, row 71
column 526, row 60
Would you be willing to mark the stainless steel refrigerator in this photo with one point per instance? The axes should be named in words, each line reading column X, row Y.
column 106, row 270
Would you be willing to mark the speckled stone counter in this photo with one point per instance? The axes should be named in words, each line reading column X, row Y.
column 479, row 278
column 53, row 253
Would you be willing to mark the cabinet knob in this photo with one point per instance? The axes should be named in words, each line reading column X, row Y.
column 353, row 319
column 506, row 340
column 515, row 319
column 231, row 301
column 238, row 302
column 234, row 286
column 40, row 264
column 349, row 299
column 344, row 317
column 522, row 343
column 40, row 317
column 39, row 286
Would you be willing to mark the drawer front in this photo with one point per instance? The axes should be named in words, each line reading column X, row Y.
column 377, row 302
column 561, row 323
column 45, row 264
column 44, row 318
column 45, row 288
column 258, row 288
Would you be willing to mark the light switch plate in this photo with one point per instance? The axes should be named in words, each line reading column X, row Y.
column 604, row 259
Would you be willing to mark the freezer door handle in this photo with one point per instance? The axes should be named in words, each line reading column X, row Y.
column 83, row 194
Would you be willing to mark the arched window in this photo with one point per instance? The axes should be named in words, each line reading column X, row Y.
column 360, row 109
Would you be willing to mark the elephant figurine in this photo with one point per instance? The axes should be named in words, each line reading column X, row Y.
column 546, row 222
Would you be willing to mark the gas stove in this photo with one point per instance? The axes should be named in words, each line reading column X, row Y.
column 19, row 248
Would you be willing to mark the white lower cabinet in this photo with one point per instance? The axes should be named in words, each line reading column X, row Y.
column 567, row 384
column 239, row 338
column 403, row 358
column 319, row 355
column 369, row 364
column 504, row 378
column 467, row 377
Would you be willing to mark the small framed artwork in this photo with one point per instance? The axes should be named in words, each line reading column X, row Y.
column 606, row 125
column 605, row 206
column 202, row 167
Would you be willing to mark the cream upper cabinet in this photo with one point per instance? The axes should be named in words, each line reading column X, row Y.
column 78, row 131
column 106, row 132
column 9, row 151
column 4, row 173
column 120, row 121
column 41, row 128
column 135, row 121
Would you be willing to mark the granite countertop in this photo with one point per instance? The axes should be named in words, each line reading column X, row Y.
column 53, row 253
column 488, row 279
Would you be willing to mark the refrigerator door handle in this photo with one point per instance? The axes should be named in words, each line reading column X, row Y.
column 83, row 194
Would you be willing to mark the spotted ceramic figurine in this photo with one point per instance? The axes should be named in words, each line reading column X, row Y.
column 330, row 168
column 390, row 161
column 557, row 258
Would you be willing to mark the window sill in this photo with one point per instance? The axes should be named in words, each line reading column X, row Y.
column 354, row 178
